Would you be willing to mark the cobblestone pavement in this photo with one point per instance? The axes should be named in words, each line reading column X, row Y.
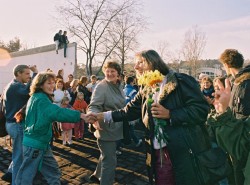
column 80, row 160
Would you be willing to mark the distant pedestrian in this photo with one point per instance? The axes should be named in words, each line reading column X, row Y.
column 65, row 42
column 58, row 40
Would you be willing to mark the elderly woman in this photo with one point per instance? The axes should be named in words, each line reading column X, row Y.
column 182, row 108
column 40, row 114
column 108, row 95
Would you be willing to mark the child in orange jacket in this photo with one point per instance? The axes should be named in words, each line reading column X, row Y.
column 81, row 106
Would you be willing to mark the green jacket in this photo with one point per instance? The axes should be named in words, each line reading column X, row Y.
column 40, row 114
column 233, row 135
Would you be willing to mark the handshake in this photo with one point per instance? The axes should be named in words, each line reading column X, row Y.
column 94, row 119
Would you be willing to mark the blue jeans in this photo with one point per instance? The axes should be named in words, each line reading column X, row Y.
column 15, row 131
column 34, row 160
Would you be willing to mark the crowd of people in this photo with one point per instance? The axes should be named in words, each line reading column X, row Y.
column 190, row 110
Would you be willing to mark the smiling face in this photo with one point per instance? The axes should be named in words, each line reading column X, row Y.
column 111, row 75
column 206, row 84
column 141, row 65
column 49, row 86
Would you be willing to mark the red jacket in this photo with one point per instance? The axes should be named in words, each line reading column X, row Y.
column 80, row 105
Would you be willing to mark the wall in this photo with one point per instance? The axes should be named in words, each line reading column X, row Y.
column 43, row 57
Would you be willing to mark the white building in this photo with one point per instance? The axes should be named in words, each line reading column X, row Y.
column 43, row 57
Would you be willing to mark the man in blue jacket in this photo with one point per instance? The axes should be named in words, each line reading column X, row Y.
column 16, row 95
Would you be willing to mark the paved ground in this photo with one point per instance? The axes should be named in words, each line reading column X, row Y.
column 80, row 160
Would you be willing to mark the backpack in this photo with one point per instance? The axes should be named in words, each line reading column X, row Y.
column 3, row 131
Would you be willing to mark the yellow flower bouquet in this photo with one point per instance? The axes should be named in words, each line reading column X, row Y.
column 151, row 80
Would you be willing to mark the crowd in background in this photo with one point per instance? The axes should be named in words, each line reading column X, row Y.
column 118, row 103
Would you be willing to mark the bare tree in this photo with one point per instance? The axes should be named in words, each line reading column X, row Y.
column 162, row 48
column 193, row 47
column 12, row 46
column 90, row 23
column 125, row 28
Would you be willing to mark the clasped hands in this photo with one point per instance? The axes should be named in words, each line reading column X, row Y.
column 94, row 119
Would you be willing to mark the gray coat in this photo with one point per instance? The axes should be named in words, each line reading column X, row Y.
column 106, row 97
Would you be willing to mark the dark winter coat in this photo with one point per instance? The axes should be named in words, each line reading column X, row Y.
column 188, row 112
column 233, row 135
column 240, row 96
column 57, row 37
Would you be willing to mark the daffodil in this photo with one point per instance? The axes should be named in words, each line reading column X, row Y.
column 152, row 79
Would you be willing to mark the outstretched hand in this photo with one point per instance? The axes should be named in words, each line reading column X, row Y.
column 222, row 96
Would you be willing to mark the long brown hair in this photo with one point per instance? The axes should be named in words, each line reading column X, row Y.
column 154, row 60
column 39, row 80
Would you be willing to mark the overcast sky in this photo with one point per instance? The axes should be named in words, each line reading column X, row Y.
column 226, row 23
